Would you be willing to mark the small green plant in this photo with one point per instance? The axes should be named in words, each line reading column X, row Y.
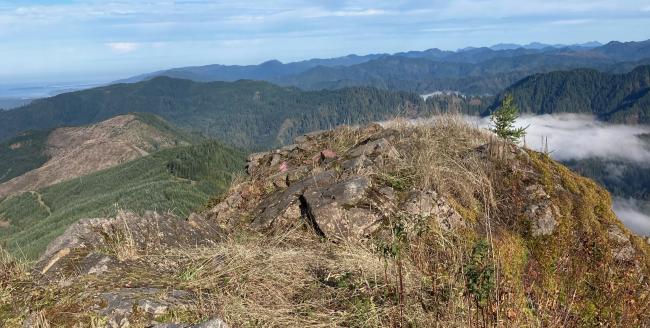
column 393, row 250
column 191, row 273
column 480, row 276
column 503, row 119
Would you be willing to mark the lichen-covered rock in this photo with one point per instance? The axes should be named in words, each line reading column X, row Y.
column 336, row 210
column 622, row 250
column 213, row 323
column 96, row 263
column 120, row 304
column 543, row 218
column 339, row 196
column 78, row 245
column 428, row 204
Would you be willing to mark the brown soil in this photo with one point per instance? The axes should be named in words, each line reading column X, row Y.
column 78, row 151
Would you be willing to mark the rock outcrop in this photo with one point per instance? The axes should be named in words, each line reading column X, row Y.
column 339, row 195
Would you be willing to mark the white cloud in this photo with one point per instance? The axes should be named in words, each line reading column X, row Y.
column 572, row 136
column 460, row 29
column 630, row 212
column 123, row 47
column 571, row 22
column 354, row 13
column 318, row 12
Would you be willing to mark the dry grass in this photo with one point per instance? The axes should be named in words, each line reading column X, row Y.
column 120, row 242
column 443, row 154
column 297, row 280
column 293, row 278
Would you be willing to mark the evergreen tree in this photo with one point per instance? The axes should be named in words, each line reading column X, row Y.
column 503, row 119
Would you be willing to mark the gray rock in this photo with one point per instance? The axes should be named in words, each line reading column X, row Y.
column 309, row 136
column 275, row 159
column 97, row 263
column 537, row 192
column 274, row 206
column 214, row 323
column 388, row 192
column 373, row 148
column 420, row 203
column 335, row 209
column 150, row 231
column 623, row 249
column 120, row 303
column 429, row 204
column 543, row 218
column 348, row 192
column 356, row 163
column 254, row 161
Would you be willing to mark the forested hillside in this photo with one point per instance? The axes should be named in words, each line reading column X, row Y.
column 22, row 153
column 247, row 114
column 36, row 159
column 613, row 97
column 178, row 180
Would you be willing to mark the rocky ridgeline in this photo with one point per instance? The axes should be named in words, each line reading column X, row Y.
column 339, row 195
column 341, row 186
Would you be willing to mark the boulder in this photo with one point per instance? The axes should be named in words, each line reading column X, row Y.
column 81, row 244
column 273, row 206
column 213, row 323
column 120, row 304
column 543, row 218
column 373, row 148
column 428, row 204
column 337, row 210
column 622, row 248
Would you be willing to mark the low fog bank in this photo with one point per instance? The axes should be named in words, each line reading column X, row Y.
column 614, row 154
column 618, row 147
column 579, row 137
column 575, row 137
column 633, row 214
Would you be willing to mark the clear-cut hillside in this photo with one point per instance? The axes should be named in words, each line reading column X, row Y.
column 76, row 151
column 401, row 225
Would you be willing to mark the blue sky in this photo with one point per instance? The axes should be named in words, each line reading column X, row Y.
column 93, row 40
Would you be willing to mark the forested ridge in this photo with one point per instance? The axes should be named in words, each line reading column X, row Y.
column 621, row 98
column 246, row 114
column 178, row 180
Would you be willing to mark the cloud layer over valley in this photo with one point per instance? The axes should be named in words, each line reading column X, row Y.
column 578, row 137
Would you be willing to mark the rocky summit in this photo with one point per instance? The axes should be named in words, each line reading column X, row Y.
column 437, row 224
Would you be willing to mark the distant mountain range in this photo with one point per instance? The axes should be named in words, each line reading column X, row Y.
column 246, row 114
column 267, row 71
column 9, row 103
column 472, row 70
column 539, row 45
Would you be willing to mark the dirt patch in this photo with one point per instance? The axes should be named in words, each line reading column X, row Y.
column 4, row 224
column 78, row 151
column 16, row 145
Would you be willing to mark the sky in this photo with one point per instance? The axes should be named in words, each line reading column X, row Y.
column 65, row 40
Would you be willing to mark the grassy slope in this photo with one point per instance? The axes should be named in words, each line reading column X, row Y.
column 148, row 183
